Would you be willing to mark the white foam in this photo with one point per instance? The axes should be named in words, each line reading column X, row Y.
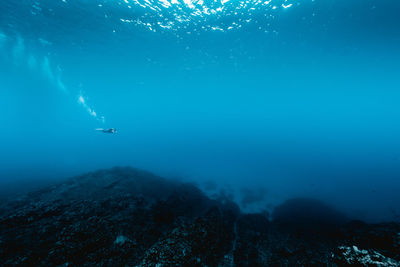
column 287, row 6
column 179, row 14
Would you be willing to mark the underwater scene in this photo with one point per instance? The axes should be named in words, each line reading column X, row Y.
column 200, row 133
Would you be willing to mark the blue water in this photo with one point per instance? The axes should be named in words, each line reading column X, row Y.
column 293, row 98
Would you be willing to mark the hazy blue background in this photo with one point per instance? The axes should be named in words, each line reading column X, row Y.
column 298, row 101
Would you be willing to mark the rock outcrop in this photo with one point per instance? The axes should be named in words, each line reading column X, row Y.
column 128, row 217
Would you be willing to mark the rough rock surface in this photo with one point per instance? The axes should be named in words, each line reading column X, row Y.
column 128, row 217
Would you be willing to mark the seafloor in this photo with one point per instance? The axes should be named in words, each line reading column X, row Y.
column 128, row 217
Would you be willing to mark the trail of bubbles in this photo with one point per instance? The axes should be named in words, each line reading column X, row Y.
column 21, row 57
column 83, row 102
column 18, row 51
column 3, row 39
column 54, row 77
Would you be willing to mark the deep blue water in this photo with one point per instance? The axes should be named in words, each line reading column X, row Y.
column 293, row 98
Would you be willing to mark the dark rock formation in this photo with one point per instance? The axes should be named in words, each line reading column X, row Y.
column 128, row 217
column 305, row 212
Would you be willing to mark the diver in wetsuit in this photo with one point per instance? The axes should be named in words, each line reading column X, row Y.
column 110, row 130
